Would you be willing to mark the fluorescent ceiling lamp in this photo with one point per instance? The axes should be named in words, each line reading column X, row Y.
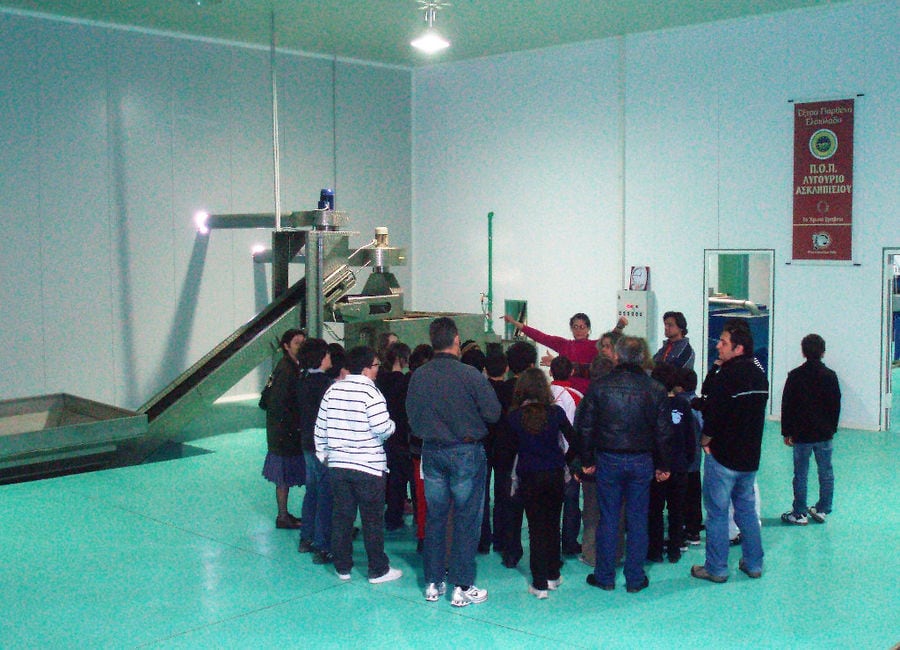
column 430, row 42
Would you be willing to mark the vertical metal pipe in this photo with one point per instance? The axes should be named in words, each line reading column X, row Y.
column 275, row 149
column 334, row 170
column 315, row 265
column 489, row 316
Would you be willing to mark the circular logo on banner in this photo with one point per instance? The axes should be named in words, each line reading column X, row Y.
column 823, row 144
column 821, row 240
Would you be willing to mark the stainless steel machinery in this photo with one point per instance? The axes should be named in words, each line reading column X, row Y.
column 57, row 430
column 320, row 302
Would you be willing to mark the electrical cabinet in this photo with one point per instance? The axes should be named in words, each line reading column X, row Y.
column 639, row 307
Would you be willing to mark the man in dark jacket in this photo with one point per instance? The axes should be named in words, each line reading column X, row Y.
column 733, row 404
column 625, row 430
column 677, row 350
column 810, row 408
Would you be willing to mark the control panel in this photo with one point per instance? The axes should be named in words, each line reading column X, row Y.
column 639, row 307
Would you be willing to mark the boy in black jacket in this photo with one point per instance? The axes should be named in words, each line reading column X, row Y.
column 672, row 493
column 315, row 532
column 810, row 409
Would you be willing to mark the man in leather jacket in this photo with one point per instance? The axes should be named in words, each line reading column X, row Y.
column 625, row 431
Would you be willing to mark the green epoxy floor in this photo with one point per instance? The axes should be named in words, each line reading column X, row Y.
column 183, row 553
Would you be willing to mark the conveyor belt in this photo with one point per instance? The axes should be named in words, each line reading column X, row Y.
column 212, row 376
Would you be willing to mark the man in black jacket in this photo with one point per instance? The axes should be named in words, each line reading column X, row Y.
column 625, row 430
column 810, row 408
column 734, row 399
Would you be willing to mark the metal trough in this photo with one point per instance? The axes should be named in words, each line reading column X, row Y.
column 59, row 427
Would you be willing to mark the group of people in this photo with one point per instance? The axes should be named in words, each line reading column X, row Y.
column 624, row 428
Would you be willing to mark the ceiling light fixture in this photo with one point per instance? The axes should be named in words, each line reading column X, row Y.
column 431, row 42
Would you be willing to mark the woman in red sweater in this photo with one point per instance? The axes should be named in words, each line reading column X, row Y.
column 580, row 349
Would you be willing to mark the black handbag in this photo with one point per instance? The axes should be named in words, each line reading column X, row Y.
column 264, row 395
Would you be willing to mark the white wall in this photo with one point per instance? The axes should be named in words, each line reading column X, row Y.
column 707, row 164
column 113, row 140
column 535, row 138
column 594, row 157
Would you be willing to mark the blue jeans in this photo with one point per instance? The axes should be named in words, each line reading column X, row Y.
column 622, row 477
column 317, row 504
column 822, row 451
column 722, row 486
column 454, row 476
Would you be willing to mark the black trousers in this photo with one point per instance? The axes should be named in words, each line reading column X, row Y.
column 669, row 494
column 542, row 495
column 484, row 543
column 399, row 462
column 508, row 511
column 352, row 490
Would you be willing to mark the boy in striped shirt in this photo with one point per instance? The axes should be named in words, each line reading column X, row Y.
column 351, row 428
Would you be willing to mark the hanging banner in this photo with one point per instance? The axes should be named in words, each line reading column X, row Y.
column 823, row 181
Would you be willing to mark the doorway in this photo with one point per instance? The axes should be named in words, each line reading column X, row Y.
column 739, row 283
column 890, row 373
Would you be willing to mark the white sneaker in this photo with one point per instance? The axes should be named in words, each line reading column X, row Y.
column 392, row 574
column 553, row 585
column 433, row 592
column 343, row 576
column 541, row 594
column 471, row 595
column 791, row 517
column 818, row 517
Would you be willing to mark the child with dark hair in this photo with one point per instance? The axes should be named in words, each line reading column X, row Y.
column 383, row 342
column 693, row 499
column 473, row 356
column 561, row 386
column 810, row 411
column 521, row 356
column 671, row 493
column 420, row 355
column 315, row 533
column 568, row 398
column 502, row 450
column 352, row 425
column 393, row 383
column 338, row 356
column 495, row 364
column 539, row 425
